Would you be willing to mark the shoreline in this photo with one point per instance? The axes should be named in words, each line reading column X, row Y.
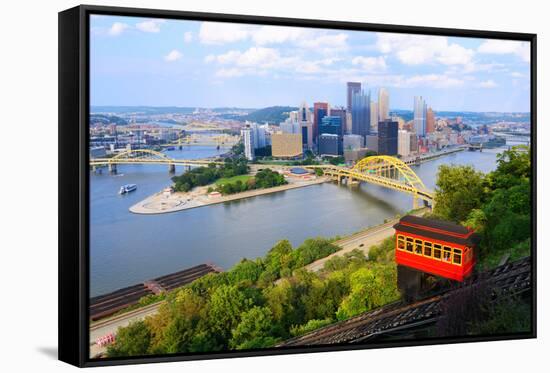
column 178, row 201
column 159, row 203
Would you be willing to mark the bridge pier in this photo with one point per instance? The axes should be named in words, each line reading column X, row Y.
column 112, row 168
column 172, row 168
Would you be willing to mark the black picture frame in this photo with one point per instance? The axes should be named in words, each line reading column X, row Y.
column 74, row 82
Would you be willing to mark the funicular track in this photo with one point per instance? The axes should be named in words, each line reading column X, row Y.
column 508, row 279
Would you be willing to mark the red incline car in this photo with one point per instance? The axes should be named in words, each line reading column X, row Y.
column 436, row 247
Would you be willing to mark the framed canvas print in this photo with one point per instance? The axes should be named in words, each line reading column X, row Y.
column 235, row 185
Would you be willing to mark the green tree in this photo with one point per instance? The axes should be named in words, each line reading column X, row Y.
column 310, row 326
column 460, row 189
column 246, row 270
column 370, row 287
column 226, row 305
column 254, row 330
column 513, row 167
column 132, row 340
column 311, row 250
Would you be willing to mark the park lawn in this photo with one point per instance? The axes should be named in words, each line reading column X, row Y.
column 225, row 180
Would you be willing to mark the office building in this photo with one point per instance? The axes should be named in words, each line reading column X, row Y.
column 414, row 142
column 373, row 117
column 353, row 142
column 352, row 88
column 247, row 135
column 98, row 152
column 259, row 135
column 352, row 156
column 387, row 137
column 331, row 124
column 383, row 104
column 304, row 114
column 307, row 134
column 340, row 112
column 430, row 121
column 329, row 144
column 372, row 142
column 420, row 116
column 360, row 113
column 290, row 126
column 320, row 110
column 254, row 136
column 286, row 145
column 347, row 130
column 403, row 143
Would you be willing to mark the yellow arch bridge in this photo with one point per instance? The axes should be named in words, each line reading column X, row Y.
column 383, row 170
column 146, row 156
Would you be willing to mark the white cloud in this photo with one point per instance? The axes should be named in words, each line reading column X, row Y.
column 488, row 84
column 370, row 64
column 188, row 37
column 253, row 57
column 516, row 74
column 455, row 54
column 260, row 60
column 319, row 41
column 278, row 34
column 420, row 49
column 150, row 26
column 230, row 73
column 220, row 33
column 325, row 43
column 433, row 80
column 519, row 48
column 174, row 55
column 117, row 28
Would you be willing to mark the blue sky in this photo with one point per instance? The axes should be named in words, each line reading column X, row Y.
column 153, row 62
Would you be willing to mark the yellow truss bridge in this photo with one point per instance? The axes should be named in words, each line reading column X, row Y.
column 383, row 170
column 146, row 156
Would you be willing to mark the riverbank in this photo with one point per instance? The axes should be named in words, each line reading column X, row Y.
column 161, row 203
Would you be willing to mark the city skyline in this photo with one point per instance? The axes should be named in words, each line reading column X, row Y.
column 151, row 62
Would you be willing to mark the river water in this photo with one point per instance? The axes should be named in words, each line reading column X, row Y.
column 127, row 248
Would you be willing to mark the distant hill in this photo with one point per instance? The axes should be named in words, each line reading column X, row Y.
column 142, row 109
column 272, row 114
column 106, row 119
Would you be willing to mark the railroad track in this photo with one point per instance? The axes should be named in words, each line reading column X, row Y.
column 511, row 278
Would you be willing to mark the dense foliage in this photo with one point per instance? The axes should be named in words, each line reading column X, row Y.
column 265, row 178
column 207, row 175
column 264, row 301
column 497, row 205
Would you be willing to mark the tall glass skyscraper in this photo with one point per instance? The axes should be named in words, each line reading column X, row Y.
column 360, row 113
column 320, row 109
column 352, row 88
column 420, row 110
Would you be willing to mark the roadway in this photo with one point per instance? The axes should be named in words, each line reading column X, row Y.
column 362, row 240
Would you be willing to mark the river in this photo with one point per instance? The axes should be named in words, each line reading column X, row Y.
column 127, row 248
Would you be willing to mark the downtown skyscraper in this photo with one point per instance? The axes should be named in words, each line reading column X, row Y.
column 420, row 113
column 352, row 88
column 360, row 113
column 383, row 104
